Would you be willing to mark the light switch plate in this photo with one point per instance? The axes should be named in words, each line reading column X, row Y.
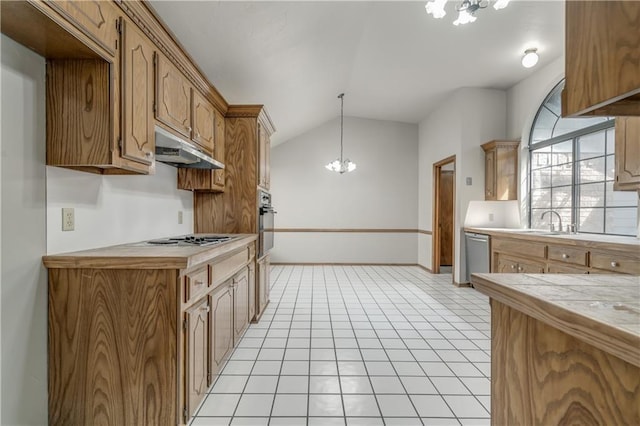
column 179, row 217
column 469, row 181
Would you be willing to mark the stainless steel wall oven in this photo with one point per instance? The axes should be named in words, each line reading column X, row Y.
column 266, row 215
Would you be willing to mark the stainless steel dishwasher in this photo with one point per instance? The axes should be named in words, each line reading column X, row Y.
column 477, row 250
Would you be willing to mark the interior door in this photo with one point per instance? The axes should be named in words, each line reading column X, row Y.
column 446, row 217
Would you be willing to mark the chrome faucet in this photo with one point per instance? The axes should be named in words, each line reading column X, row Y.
column 551, row 227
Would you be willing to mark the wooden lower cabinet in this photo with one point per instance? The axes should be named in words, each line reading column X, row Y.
column 222, row 325
column 141, row 346
column 509, row 264
column 263, row 284
column 541, row 375
column 240, row 304
column 252, row 292
column 554, row 268
column 197, row 371
column 514, row 255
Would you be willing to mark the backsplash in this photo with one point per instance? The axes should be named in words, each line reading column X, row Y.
column 115, row 209
column 493, row 214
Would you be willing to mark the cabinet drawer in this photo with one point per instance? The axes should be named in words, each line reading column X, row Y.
column 553, row 268
column 524, row 248
column 614, row 262
column 225, row 268
column 573, row 255
column 195, row 284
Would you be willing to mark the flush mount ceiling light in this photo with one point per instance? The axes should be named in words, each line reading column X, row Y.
column 466, row 9
column 530, row 58
column 341, row 164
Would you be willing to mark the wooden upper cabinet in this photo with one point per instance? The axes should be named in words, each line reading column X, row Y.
column 173, row 97
column 602, row 61
column 138, row 137
column 263, row 156
column 197, row 355
column 627, row 154
column 204, row 118
column 95, row 18
column 218, row 152
column 501, row 170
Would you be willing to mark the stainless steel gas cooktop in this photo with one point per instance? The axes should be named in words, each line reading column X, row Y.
column 191, row 240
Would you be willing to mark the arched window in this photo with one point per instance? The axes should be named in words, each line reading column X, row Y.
column 572, row 171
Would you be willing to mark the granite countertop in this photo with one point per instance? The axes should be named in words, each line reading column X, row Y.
column 602, row 310
column 142, row 256
column 614, row 242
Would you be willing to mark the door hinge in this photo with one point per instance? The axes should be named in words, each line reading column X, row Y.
column 119, row 26
column 154, row 107
column 184, row 414
column 184, row 324
column 208, row 376
column 120, row 144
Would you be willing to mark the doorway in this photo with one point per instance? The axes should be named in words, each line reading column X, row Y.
column 444, row 190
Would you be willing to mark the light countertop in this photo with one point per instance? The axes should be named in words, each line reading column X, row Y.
column 141, row 256
column 614, row 242
column 602, row 310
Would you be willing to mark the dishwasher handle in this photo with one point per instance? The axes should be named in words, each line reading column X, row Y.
column 480, row 240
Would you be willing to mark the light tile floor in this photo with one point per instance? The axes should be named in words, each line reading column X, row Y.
column 359, row 345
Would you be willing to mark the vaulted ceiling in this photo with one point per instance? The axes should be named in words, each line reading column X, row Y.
column 392, row 60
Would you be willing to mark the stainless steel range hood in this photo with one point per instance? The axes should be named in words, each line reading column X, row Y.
column 176, row 152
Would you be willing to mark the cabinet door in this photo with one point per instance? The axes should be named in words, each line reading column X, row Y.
column 197, row 354
column 221, row 325
column 262, row 155
column 490, row 175
column 138, row 138
column 96, row 19
column 173, row 97
column 252, row 291
column 240, row 303
column 627, row 154
column 530, row 267
column 267, row 163
column 505, row 264
column 203, row 121
column 218, row 150
column 264, row 267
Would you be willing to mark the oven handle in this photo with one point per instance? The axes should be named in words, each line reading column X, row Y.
column 264, row 210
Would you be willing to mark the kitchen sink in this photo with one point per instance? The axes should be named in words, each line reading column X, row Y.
column 539, row 232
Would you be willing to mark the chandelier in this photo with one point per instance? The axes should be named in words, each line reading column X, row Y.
column 341, row 164
column 466, row 9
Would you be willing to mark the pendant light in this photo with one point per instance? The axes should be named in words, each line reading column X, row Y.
column 341, row 164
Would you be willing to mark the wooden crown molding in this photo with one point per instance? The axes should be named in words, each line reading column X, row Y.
column 143, row 15
column 500, row 144
column 252, row 111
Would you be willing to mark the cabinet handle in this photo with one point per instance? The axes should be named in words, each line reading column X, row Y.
column 198, row 134
column 204, row 309
column 565, row 256
column 198, row 283
column 520, row 269
column 513, row 266
column 148, row 154
column 614, row 264
column 189, row 129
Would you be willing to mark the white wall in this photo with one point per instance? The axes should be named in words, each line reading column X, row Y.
column 23, row 288
column 115, row 209
column 108, row 210
column 458, row 127
column 380, row 194
column 523, row 101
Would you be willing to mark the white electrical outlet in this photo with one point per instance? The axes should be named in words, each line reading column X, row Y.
column 68, row 219
column 179, row 217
